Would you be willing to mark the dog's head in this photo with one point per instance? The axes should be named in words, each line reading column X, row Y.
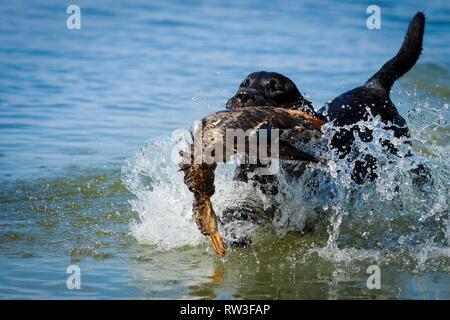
column 268, row 89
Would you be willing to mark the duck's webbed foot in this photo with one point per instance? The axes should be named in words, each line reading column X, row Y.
column 207, row 222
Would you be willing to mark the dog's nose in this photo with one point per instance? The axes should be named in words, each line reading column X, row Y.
column 247, row 98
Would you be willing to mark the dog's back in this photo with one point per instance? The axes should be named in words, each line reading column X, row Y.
column 373, row 98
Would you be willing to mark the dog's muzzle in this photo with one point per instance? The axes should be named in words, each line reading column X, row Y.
column 248, row 98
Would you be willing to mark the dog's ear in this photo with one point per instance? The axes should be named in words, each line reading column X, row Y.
column 248, row 79
column 246, row 82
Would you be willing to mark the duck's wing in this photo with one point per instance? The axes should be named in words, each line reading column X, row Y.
column 255, row 117
column 251, row 121
column 199, row 177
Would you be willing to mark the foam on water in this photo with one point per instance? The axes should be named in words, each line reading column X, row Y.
column 400, row 213
column 162, row 201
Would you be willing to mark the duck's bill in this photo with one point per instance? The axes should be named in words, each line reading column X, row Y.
column 217, row 244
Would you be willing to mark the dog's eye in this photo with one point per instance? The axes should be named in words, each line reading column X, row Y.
column 273, row 85
column 245, row 83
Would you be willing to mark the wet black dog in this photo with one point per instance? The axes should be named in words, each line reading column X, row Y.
column 373, row 99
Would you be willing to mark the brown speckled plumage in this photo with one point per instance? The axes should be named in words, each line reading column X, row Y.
column 199, row 175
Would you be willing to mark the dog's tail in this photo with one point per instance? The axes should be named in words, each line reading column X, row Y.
column 406, row 57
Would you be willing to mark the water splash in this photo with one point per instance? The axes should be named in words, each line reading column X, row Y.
column 404, row 211
column 162, row 201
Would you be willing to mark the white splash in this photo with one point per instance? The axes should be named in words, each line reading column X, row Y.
column 162, row 201
column 398, row 212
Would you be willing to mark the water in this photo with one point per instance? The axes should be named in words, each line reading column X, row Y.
column 76, row 108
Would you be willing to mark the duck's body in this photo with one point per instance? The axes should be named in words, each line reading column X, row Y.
column 210, row 139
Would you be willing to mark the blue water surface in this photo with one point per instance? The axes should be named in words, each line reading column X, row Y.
column 75, row 103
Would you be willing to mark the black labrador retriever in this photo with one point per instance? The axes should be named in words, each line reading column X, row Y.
column 372, row 99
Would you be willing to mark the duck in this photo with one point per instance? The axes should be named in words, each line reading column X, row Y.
column 208, row 148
